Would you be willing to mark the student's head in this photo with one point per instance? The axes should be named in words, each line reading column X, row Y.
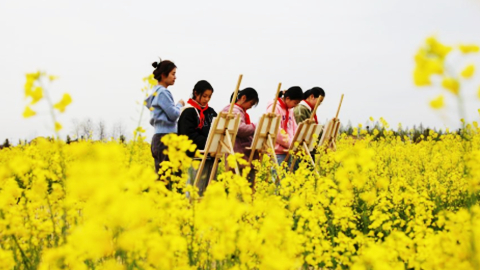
column 292, row 96
column 246, row 98
column 165, row 72
column 311, row 96
column 202, row 92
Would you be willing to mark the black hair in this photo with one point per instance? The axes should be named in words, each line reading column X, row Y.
column 315, row 91
column 200, row 88
column 294, row 93
column 163, row 68
column 249, row 92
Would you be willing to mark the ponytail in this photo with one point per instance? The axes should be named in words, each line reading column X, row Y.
column 162, row 68
column 249, row 93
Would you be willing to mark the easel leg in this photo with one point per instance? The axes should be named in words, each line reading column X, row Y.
column 200, row 169
column 214, row 170
column 293, row 163
column 227, row 168
column 305, row 147
column 229, row 140
column 334, row 145
column 311, row 158
column 270, row 141
column 274, row 155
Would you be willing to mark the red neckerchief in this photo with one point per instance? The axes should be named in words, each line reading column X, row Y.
column 200, row 110
column 284, row 106
column 247, row 117
column 311, row 108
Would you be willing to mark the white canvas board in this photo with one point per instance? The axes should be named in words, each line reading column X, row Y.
column 262, row 132
column 327, row 131
column 217, row 133
column 312, row 138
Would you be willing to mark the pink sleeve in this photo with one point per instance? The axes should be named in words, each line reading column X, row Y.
column 245, row 130
column 281, row 140
column 295, row 127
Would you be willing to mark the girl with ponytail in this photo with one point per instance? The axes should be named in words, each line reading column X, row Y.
column 195, row 121
column 163, row 110
column 286, row 101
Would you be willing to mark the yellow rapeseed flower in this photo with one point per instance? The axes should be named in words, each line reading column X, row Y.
column 468, row 71
column 28, row 112
column 36, row 94
column 58, row 126
column 62, row 104
column 451, row 84
column 421, row 77
column 52, row 77
column 437, row 47
column 471, row 48
column 438, row 102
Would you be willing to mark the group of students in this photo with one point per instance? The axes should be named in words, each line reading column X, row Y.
column 195, row 117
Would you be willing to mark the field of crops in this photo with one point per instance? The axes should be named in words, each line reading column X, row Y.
column 378, row 202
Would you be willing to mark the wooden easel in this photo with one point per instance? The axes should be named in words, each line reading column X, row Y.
column 266, row 132
column 329, row 136
column 304, row 138
column 221, row 138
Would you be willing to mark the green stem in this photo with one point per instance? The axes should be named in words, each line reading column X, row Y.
column 50, row 105
column 136, row 135
column 24, row 257
column 461, row 109
column 53, row 221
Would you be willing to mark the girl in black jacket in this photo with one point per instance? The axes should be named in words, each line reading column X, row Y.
column 195, row 121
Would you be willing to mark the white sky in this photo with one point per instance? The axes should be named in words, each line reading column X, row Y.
column 102, row 49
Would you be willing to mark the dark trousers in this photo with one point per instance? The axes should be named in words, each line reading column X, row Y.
column 203, row 180
column 158, row 147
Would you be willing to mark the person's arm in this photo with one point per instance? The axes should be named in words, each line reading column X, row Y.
column 295, row 127
column 245, row 130
column 187, row 125
column 282, row 137
column 165, row 101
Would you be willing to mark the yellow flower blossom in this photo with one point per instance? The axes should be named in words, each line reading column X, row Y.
column 471, row 48
column 62, row 104
column 437, row 48
column 28, row 112
column 151, row 82
column 421, row 77
column 383, row 201
column 468, row 71
column 58, row 126
column 36, row 94
column 451, row 84
column 438, row 102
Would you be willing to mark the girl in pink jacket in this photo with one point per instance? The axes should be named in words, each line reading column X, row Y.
column 246, row 99
column 287, row 100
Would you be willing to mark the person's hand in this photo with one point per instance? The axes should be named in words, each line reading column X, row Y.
column 181, row 102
